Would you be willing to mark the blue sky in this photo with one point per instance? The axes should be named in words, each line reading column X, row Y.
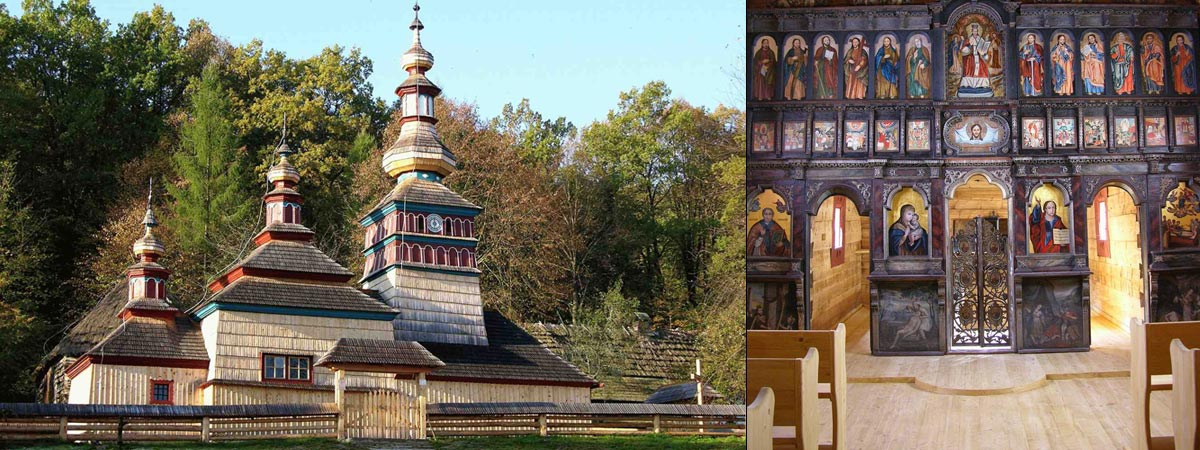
column 570, row 59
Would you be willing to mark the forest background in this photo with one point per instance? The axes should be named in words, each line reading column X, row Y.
column 640, row 212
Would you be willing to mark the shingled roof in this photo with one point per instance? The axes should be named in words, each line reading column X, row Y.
column 512, row 355
column 660, row 358
column 92, row 328
column 682, row 393
column 272, row 292
column 293, row 256
column 416, row 190
column 378, row 352
column 143, row 337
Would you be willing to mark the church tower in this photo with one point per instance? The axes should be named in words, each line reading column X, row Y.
column 420, row 239
column 147, row 279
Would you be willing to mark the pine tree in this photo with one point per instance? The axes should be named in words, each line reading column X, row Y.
column 213, row 198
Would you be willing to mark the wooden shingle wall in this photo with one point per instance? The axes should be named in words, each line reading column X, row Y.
column 434, row 307
column 242, row 338
column 836, row 291
column 1117, row 279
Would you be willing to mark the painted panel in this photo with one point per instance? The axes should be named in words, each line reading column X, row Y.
column 918, row 66
column 1031, row 55
column 1120, row 56
column 1125, row 129
column 1181, row 218
column 771, row 306
column 856, row 135
column 887, row 135
column 765, row 63
column 1052, row 313
column 795, row 68
column 1095, row 132
column 1183, row 64
column 1062, row 67
column 1049, row 231
column 1064, row 132
column 1156, row 131
column 908, row 234
column 824, row 136
column 908, row 317
column 1033, row 132
column 1091, row 63
column 1154, row 63
column 764, row 137
column 857, row 63
column 977, row 59
column 794, row 136
column 1178, row 298
column 1185, row 130
column 769, row 223
column 825, row 68
column 887, row 67
column 917, row 135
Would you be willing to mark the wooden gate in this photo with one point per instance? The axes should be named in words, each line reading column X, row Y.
column 384, row 414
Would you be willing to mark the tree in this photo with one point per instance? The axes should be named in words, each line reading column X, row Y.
column 536, row 140
column 212, row 198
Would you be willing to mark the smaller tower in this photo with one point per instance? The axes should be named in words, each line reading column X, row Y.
column 147, row 279
column 282, row 203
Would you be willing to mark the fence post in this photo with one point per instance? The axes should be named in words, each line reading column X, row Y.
column 542, row 424
column 120, row 430
column 206, row 429
column 657, row 424
column 339, row 397
column 422, row 396
column 62, row 428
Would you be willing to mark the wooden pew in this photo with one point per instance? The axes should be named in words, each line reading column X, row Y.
column 1150, row 360
column 760, row 416
column 792, row 420
column 1183, row 397
column 831, row 372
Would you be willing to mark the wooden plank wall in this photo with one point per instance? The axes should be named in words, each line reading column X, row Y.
column 1117, row 279
column 837, row 291
column 242, row 338
column 130, row 385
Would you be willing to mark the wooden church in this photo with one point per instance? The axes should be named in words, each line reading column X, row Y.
column 981, row 214
column 276, row 325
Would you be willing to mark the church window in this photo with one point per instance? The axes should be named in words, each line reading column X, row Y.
column 1102, row 247
column 286, row 368
column 161, row 392
column 837, row 253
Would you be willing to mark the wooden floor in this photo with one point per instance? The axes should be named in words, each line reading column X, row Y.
column 998, row 401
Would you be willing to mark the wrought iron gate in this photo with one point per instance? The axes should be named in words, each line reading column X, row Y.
column 980, row 301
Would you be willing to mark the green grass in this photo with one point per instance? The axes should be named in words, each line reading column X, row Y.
column 644, row 442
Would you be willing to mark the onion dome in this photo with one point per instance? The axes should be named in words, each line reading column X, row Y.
column 418, row 150
column 148, row 248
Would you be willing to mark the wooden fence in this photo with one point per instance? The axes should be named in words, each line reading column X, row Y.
column 484, row 419
column 31, row 421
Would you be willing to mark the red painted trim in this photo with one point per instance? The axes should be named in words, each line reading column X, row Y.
column 292, row 198
column 484, row 380
column 145, row 271
column 262, row 369
column 87, row 360
column 170, row 392
column 127, row 314
column 268, row 236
